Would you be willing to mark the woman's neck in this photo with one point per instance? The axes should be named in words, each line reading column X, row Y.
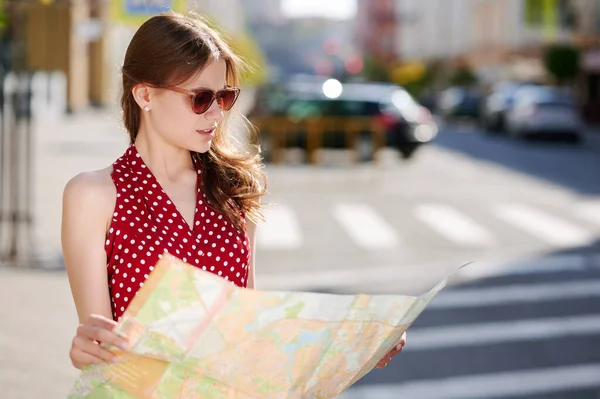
column 166, row 161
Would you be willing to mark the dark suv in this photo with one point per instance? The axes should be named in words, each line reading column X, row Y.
column 406, row 124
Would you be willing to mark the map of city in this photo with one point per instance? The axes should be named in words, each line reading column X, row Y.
column 195, row 335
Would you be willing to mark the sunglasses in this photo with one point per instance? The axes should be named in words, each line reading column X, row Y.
column 203, row 99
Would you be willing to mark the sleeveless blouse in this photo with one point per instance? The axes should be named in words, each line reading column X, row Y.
column 146, row 224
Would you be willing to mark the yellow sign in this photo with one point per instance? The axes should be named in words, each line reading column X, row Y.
column 409, row 72
column 135, row 12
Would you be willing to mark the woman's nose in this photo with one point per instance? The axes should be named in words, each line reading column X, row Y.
column 214, row 112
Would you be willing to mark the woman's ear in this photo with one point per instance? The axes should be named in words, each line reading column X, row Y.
column 141, row 94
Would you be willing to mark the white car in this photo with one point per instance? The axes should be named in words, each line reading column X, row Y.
column 545, row 111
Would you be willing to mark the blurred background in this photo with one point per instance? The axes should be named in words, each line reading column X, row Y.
column 402, row 139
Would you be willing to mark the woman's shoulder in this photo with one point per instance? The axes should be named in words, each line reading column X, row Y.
column 94, row 189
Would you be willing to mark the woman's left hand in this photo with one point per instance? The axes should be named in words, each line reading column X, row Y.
column 397, row 349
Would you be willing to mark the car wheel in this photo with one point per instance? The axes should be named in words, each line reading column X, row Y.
column 408, row 150
column 575, row 139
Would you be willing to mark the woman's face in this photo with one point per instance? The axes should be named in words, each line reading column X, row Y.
column 172, row 117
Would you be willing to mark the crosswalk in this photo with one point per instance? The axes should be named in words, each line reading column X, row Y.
column 370, row 227
column 454, row 225
column 365, row 226
column 516, row 338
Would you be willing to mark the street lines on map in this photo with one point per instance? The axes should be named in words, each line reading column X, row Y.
column 431, row 338
column 517, row 293
column 282, row 230
column 545, row 227
column 498, row 385
column 589, row 211
column 454, row 225
column 364, row 225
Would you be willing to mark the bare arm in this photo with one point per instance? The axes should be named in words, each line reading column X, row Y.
column 88, row 202
column 251, row 232
column 86, row 212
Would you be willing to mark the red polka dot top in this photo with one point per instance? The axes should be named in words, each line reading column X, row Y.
column 146, row 224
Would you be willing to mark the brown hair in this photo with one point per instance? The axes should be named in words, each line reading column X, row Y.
column 168, row 50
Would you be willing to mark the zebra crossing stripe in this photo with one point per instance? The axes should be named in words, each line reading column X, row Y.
column 543, row 226
column 281, row 230
column 519, row 383
column 364, row 225
column 589, row 211
column 454, row 225
column 516, row 293
column 431, row 338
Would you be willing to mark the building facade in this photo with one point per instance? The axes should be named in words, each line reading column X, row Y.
column 376, row 29
column 500, row 38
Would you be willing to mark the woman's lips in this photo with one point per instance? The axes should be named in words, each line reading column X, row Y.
column 206, row 132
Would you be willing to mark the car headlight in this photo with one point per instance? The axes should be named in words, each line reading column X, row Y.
column 425, row 133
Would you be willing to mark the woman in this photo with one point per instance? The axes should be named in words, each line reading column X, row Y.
column 181, row 186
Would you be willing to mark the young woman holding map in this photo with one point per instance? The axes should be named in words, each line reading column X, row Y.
column 180, row 187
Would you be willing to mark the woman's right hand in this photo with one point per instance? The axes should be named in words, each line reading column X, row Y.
column 86, row 348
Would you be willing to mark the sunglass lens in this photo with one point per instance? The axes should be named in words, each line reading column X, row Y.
column 202, row 101
column 226, row 98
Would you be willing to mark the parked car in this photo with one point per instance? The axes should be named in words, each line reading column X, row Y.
column 460, row 102
column 547, row 111
column 498, row 103
column 407, row 124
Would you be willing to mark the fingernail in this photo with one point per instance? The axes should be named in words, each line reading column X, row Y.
column 124, row 346
column 115, row 359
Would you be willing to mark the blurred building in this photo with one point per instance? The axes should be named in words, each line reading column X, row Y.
column 490, row 32
column 433, row 29
column 377, row 30
column 302, row 45
column 87, row 40
column 68, row 36
column 501, row 39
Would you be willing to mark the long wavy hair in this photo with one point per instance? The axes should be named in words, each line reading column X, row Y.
column 168, row 50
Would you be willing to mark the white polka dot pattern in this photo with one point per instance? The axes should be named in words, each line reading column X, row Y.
column 146, row 224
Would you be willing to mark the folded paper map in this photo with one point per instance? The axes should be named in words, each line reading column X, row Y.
column 195, row 335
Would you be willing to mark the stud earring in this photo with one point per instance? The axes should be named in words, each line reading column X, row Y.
column 146, row 108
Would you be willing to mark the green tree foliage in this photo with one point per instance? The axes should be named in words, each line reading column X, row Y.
column 562, row 62
column 463, row 76
column 376, row 71
column 3, row 17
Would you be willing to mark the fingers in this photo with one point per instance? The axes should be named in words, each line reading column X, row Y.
column 383, row 362
column 86, row 348
column 80, row 360
column 101, row 321
column 94, row 333
column 402, row 342
column 396, row 350
column 90, row 348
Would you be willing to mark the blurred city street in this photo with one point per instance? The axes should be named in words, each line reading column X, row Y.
column 402, row 140
column 527, row 311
